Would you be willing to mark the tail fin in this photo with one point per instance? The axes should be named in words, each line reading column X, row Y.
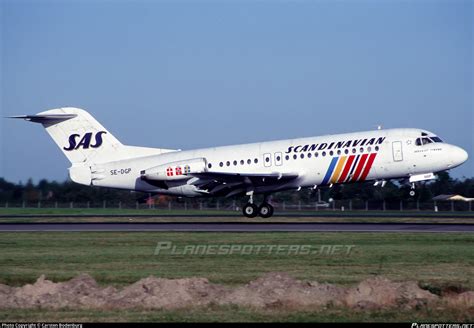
column 84, row 140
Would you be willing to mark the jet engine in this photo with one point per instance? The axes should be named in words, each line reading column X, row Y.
column 174, row 171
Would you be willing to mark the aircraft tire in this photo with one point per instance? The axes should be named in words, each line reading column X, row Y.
column 250, row 210
column 265, row 210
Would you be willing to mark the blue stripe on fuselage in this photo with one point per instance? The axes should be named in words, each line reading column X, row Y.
column 330, row 170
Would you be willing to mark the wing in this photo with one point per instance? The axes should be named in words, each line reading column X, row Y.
column 231, row 184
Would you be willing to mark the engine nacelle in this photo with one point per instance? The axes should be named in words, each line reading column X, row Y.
column 175, row 170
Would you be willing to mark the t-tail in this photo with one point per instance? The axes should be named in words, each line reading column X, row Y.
column 83, row 140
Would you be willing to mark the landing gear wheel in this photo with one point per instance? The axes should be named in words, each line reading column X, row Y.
column 265, row 210
column 412, row 193
column 250, row 210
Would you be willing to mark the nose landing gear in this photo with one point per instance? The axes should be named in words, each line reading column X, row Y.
column 412, row 191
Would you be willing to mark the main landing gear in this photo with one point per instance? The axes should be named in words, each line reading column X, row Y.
column 250, row 210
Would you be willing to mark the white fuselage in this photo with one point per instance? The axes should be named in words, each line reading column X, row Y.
column 318, row 161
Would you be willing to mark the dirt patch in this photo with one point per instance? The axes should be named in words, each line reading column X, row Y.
column 281, row 290
column 272, row 290
column 380, row 292
column 462, row 300
column 154, row 292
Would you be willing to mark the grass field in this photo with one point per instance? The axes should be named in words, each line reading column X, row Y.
column 145, row 211
column 106, row 211
column 39, row 215
column 114, row 258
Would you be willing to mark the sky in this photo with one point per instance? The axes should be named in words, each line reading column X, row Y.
column 189, row 74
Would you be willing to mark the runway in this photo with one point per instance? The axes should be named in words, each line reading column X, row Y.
column 339, row 214
column 237, row 227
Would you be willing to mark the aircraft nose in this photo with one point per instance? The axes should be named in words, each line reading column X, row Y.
column 459, row 155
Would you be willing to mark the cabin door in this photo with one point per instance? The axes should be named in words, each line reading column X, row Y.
column 397, row 151
column 267, row 160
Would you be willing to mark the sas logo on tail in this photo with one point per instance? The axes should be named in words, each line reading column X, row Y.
column 85, row 141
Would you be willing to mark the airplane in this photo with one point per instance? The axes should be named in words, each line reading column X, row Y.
column 99, row 159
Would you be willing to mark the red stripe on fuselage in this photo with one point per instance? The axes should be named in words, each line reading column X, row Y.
column 346, row 169
column 359, row 167
column 368, row 166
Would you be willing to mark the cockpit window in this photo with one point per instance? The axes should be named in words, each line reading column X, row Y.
column 426, row 141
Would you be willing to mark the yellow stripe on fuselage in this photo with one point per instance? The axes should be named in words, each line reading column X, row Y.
column 338, row 170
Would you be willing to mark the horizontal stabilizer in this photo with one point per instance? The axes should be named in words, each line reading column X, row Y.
column 45, row 119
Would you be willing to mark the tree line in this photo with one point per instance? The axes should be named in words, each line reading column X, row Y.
column 69, row 191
